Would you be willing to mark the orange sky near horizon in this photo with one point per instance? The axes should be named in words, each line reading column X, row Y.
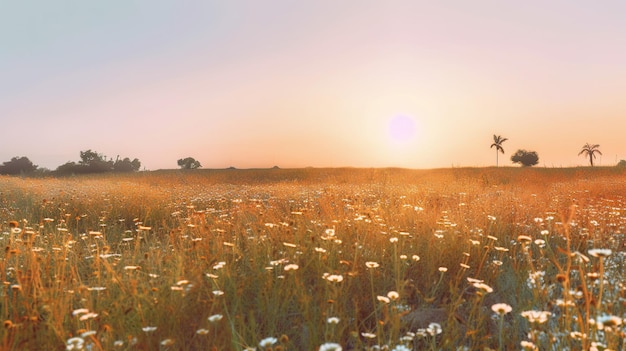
column 253, row 85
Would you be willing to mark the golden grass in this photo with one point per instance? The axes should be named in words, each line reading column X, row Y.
column 300, row 259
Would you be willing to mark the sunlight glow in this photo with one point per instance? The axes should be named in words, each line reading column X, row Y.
column 402, row 129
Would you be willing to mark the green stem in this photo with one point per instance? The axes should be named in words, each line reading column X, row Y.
column 601, row 277
column 374, row 304
column 501, row 335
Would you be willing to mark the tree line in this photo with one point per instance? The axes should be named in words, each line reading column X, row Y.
column 94, row 162
column 530, row 158
column 90, row 162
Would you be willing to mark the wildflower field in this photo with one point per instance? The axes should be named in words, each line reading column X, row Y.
column 315, row 259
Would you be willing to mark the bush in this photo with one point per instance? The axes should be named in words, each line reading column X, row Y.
column 189, row 163
column 525, row 158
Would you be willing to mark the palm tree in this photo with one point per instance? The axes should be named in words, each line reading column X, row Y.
column 590, row 150
column 497, row 142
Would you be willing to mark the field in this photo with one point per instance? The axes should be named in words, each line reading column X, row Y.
column 315, row 259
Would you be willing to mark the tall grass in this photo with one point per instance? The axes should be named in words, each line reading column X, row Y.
column 315, row 259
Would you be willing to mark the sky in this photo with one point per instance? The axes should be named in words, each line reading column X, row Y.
column 325, row 83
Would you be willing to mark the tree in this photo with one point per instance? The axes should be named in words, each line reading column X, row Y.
column 525, row 158
column 621, row 163
column 94, row 162
column 69, row 168
column 18, row 165
column 497, row 143
column 126, row 165
column 590, row 151
column 189, row 163
column 89, row 157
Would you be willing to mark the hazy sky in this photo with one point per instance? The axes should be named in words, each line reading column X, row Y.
column 417, row 84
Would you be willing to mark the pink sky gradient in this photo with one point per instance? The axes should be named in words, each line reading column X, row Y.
column 315, row 83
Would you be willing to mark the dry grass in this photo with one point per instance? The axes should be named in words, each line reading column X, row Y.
column 301, row 259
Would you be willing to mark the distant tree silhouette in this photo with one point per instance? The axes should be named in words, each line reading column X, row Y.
column 525, row 158
column 590, row 151
column 497, row 143
column 89, row 157
column 69, row 168
column 126, row 165
column 18, row 165
column 189, row 163
column 621, row 163
column 94, row 162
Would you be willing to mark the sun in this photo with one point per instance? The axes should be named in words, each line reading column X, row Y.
column 400, row 138
column 402, row 129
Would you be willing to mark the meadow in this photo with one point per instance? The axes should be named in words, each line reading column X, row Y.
column 315, row 259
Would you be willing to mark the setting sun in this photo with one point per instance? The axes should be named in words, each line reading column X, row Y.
column 402, row 129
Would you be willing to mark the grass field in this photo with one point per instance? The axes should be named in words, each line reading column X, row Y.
column 308, row 259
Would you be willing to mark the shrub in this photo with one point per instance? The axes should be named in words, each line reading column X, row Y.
column 525, row 158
